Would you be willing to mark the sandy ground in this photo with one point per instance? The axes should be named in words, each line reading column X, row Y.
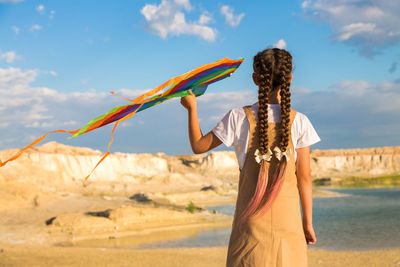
column 57, row 256
column 40, row 228
column 48, row 217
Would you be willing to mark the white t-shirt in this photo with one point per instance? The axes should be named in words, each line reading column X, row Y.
column 233, row 129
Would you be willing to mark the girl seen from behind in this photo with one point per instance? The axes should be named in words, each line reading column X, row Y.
column 272, row 145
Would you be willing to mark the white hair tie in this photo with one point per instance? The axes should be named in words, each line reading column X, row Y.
column 279, row 154
column 260, row 157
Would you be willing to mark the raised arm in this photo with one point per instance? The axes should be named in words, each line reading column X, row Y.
column 303, row 172
column 200, row 143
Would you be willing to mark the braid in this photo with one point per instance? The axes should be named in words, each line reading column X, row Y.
column 263, row 66
column 272, row 68
column 263, row 94
column 286, row 68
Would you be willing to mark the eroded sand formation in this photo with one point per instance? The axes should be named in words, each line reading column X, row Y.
column 43, row 199
column 54, row 164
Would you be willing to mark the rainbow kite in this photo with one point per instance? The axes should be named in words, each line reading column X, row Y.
column 197, row 80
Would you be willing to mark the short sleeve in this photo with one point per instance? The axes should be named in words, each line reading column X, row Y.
column 225, row 129
column 304, row 132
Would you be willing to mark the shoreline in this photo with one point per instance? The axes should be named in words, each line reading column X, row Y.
column 107, row 230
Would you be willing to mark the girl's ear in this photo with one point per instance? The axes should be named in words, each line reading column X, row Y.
column 291, row 77
column 255, row 79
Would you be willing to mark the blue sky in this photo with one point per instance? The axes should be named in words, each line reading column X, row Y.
column 59, row 60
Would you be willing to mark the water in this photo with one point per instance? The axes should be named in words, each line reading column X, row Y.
column 365, row 219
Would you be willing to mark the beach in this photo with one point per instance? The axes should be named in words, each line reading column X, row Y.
column 216, row 256
column 48, row 217
column 68, row 240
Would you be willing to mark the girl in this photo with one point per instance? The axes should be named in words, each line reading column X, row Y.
column 272, row 145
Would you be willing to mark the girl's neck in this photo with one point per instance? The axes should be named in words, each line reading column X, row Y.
column 273, row 101
column 274, row 97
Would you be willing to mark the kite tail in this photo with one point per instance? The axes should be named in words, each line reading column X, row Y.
column 112, row 139
column 113, row 93
column 106, row 154
column 19, row 153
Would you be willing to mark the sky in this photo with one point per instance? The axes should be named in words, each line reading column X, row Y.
column 60, row 59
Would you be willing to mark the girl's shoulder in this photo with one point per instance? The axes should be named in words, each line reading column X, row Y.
column 231, row 127
column 237, row 115
column 303, row 131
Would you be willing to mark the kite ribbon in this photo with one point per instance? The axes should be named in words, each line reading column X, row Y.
column 34, row 143
column 112, row 139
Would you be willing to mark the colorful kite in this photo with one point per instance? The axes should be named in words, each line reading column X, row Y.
column 197, row 80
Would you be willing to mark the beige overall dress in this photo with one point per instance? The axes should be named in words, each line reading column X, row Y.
column 276, row 238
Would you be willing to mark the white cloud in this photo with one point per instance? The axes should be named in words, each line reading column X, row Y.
column 15, row 79
column 205, row 18
column 230, row 18
column 355, row 29
column 40, row 9
column 367, row 25
column 185, row 3
column 71, row 122
column 52, row 13
column 4, row 124
column 383, row 97
column 36, row 27
column 15, row 29
column 353, row 113
column 300, row 90
column 9, row 56
column 53, row 73
column 168, row 19
column 305, row 4
column 129, row 93
column 345, row 96
column 280, row 44
column 37, row 124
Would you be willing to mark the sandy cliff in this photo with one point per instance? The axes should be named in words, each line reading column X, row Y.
column 43, row 199
column 54, row 164
column 355, row 162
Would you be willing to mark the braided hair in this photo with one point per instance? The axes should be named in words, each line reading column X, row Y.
column 272, row 73
column 272, row 68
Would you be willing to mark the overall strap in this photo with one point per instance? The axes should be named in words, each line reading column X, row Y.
column 252, row 125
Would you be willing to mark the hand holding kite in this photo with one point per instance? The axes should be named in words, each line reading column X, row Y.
column 189, row 101
column 197, row 80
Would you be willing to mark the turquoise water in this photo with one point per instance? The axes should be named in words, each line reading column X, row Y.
column 365, row 219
